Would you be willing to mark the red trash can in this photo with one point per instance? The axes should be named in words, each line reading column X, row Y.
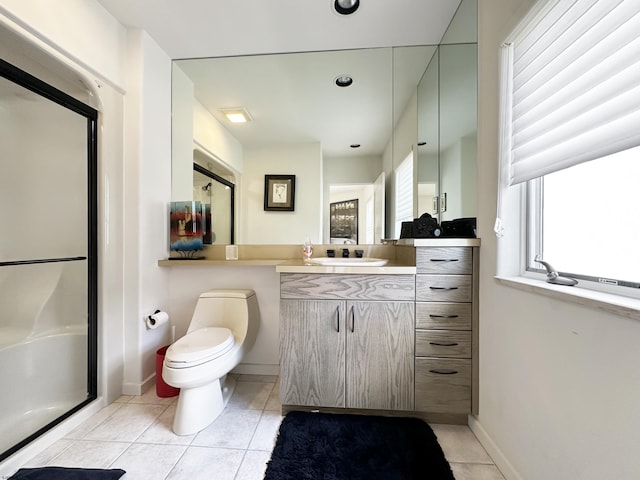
column 163, row 389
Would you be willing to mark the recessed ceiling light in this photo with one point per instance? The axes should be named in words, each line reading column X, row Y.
column 346, row 7
column 343, row 80
column 236, row 115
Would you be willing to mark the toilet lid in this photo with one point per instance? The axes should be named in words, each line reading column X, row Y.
column 200, row 345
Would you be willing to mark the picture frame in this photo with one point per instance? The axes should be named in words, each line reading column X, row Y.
column 343, row 221
column 279, row 193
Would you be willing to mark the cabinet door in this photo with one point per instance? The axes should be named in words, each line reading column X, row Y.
column 380, row 355
column 312, row 352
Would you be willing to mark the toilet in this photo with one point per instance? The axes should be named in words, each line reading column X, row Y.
column 222, row 330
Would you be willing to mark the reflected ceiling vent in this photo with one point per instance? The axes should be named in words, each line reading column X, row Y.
column 236, row 115
column 346, row 7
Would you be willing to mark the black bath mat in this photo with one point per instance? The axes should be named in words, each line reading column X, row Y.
column 62, row 473
column 322, row 446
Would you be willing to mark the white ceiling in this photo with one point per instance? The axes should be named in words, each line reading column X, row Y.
column 213, row 28
column 292, row 97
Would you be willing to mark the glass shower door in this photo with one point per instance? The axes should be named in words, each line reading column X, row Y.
column 48, row 261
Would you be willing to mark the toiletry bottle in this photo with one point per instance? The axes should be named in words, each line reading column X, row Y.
column 307, row 249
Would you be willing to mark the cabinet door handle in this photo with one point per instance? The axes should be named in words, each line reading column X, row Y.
column 431, row 315
column 443, row 260
column 353, row 320
column 442, row 371
column 443, row 288
column 338, row 319
column 444, row 344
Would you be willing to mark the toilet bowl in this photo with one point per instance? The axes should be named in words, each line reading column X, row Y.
column 222, row 330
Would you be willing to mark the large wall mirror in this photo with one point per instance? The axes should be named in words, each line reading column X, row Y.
column 342, row 143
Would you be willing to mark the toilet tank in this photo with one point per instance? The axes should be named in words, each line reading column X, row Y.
column 232, row 309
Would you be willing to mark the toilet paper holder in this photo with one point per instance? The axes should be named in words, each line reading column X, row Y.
column 156, row 319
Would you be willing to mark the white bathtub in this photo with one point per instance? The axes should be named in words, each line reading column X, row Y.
column 44, row 378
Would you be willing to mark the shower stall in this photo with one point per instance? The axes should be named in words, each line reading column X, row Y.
column 48, row 257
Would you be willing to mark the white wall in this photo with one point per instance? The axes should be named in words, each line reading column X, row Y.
column 147, row 193
column 559, row 383
column 263, row 227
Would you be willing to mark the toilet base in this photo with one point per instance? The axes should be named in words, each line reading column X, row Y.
column 199, row 406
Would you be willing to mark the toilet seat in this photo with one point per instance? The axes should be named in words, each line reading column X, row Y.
column 199, row 346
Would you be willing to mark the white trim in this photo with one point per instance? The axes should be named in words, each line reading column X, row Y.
column 616, row 304
column 498, row 457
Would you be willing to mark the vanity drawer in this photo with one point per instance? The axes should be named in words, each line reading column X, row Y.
column 443, row 316
column 444, row 260
column 443, row 343
column 347, row 287
column 443, row 288
column 443, row 385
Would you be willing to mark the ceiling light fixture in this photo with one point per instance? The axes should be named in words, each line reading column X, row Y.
column 344, row 80
column 236, row 115
column 346, row 7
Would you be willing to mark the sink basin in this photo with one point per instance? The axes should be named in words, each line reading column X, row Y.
column 348, row 262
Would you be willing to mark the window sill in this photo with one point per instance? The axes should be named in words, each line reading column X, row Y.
column 616, row 304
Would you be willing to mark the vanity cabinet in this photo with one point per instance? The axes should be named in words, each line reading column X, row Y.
column 446, row 306
column 347, row 341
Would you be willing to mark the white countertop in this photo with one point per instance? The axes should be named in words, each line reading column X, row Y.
column 298, row 266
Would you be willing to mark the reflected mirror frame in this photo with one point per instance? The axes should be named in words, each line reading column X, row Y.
column 226, row 183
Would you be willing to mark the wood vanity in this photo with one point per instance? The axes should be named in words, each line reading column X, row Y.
column 388, row 341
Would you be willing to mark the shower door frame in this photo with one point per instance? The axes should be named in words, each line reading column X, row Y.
column 34, row 84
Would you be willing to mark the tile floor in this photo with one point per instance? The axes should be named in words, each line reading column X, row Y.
column 134, row 433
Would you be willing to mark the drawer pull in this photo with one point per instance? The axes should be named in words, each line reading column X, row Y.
column 442, row 371
column 443, row 260
column 431, row 315
column 338, row 319
column 444, row 344
column 443, row 288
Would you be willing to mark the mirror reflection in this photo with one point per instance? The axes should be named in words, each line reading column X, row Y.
column 349, row 124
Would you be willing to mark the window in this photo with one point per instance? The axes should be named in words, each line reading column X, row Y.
column 570, row 107
column 404, row 192
column 585, row 220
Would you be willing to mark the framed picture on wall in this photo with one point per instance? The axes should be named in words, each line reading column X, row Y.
column 343, row 221
column 279, row 193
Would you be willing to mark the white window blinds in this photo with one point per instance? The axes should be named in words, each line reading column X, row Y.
column 575, row 86
column 404, row 192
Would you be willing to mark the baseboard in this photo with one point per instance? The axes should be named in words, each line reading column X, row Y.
column 139, row 388
column 256, row 369
column 501, row 461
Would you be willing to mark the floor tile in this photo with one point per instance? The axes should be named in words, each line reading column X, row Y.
column 475, row 471
column 234, row 428
column 90, row 454
column 93, row 421
column 45, row 458
column 250, row 395
column 258, row 378
column 160, row 432
column 127, row 423
column 459, row 444
column 253, row 465
column 142, row 462
column 206, row 463
column 265, row 435
column 134, row 433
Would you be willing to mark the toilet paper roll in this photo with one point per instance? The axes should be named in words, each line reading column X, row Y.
column 158, row 318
